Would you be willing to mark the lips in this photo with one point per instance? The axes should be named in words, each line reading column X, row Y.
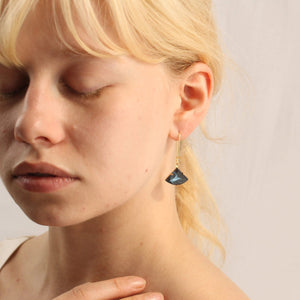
column 41, row 177
column 39, row 169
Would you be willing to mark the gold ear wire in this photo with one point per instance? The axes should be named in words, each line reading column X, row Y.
column 178, row 149
column 177, row 177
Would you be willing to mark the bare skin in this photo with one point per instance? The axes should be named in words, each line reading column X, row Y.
column 119, row 217
column 188, row 275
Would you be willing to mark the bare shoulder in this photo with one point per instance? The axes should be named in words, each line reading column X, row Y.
column 196, row 278
column 15, row 272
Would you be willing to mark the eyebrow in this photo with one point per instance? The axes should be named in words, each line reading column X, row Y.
column 13, row 67
column 74, row 51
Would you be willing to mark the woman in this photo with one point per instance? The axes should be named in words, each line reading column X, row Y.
column 95, row 97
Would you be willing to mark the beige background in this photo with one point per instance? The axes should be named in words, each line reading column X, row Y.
column 255, row 174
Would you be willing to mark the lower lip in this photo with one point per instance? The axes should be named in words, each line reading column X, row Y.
column 43, row 184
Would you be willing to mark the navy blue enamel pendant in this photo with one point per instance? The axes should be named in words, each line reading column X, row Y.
column 176, row 177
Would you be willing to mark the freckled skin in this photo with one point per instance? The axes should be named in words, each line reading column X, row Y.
column 108, row 137
column 120, row 217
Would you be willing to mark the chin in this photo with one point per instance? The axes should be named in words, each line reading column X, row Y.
column 52, row 217
column 49, row 219
column 50, row 210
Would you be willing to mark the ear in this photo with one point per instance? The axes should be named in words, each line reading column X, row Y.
column 195, row 91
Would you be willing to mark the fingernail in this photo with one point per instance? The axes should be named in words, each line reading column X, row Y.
column 154, row 297
column 137, row 283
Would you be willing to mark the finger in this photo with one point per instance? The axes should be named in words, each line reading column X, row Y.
column 146, row 296
column 105, row 290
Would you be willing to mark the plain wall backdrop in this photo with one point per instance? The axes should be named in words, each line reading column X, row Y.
column 254, row 175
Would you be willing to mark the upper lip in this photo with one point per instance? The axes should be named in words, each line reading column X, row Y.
column 26, row 168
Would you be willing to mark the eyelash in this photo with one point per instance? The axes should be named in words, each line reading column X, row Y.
column 14, row 94
column 81, row 95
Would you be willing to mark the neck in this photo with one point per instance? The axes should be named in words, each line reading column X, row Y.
column 129, row 240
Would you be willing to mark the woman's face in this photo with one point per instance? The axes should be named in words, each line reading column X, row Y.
column 103, row 121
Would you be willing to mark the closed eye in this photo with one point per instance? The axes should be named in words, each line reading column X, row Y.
column 66, row 89
column 13, row 94
column 13, row 83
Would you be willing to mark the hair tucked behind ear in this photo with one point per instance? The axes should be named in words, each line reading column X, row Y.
column 175, row 32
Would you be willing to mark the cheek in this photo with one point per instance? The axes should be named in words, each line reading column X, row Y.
column 7, row 122
column 120, row 142
column 6, row 127
column 121, row 122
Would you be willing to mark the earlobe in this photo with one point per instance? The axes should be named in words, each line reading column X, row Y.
column 195, row 93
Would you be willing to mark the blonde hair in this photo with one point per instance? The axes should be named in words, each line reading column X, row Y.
column 177, row 33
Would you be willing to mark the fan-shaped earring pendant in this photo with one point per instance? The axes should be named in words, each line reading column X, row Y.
column 176, row 177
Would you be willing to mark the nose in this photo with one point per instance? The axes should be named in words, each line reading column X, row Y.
column 40, row 121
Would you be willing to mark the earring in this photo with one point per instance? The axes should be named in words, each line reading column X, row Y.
column 177, row 177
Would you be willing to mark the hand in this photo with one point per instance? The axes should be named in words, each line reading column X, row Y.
column 112, row 289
